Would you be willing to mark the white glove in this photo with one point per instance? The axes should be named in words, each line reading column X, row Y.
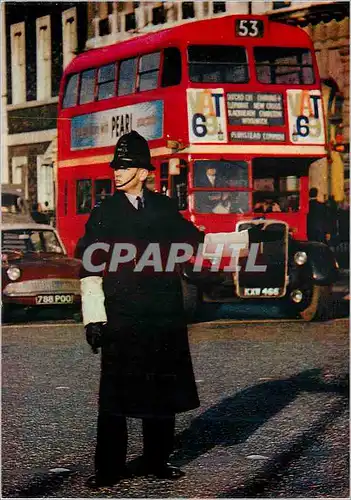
column 93, row 300
column 212, row 240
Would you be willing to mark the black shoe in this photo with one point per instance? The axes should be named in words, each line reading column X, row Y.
column 163, row 471
column 100, row 480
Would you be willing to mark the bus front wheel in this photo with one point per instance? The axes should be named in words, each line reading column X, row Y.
column 316, row 304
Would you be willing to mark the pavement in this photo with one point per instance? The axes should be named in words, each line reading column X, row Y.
column 273, row 419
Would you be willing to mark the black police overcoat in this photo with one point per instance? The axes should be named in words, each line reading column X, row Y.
column 146, row 363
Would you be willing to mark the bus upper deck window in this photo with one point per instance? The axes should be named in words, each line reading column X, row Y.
column 106, row 81
column 149, row 66
column 284, row 65
column 172, row 67
column 87, row 86
column 71, row 90
column 84, row 196
column 217, row 64
column 127, row 76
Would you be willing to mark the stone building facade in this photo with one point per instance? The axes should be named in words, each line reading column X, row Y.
column 39, row 39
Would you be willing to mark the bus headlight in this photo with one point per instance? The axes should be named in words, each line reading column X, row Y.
column 300, row 258
column 13, row 273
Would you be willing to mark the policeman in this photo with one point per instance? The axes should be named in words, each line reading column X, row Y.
column 135, row 314
column 137, row 319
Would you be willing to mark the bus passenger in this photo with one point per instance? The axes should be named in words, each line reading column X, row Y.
column 209, row 178
column 224, row 204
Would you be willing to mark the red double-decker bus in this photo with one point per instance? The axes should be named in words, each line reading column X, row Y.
column 233, row 113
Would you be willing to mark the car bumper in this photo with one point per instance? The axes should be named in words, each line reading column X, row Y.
column 43, row 292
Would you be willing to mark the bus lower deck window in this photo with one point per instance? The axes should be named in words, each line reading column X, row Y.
column 221, row 202
column 102, row 189
column 84, row 196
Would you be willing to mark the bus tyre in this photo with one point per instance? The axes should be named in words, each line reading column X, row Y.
column 318, row 304
column 190, row 299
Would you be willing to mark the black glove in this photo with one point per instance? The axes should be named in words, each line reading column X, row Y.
column 94, row 333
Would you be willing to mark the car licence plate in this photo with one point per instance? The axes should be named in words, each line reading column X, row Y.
column 50, row 300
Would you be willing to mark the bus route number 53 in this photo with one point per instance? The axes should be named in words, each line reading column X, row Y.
column 249, row 27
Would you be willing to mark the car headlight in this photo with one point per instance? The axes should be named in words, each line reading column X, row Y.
column 300, row 258
column 13, row 273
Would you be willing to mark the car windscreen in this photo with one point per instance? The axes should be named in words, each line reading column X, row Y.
column 29, row 240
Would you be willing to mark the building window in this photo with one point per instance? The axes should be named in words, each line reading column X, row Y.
column 148, row 71
column 219, row 7
column 188, row 10
column 84, row 196
column 71, row 92
column 43, row 30
column 281, row 5
column 127, row 76
column 158, row 15
column 87, row 86
column 104, row 27
column 45, row 184
column 18, row 165
column 18, row 63
column 106, row 81
column 130, row 21
column 69, row 35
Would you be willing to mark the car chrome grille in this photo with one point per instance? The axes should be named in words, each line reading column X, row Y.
column 35, row 287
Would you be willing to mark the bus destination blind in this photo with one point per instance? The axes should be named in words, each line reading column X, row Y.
column 255, row 109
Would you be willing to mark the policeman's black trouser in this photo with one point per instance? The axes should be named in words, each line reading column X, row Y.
column 112, row 440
